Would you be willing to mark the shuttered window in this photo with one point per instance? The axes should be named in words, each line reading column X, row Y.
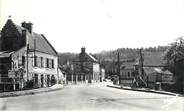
column 47, row 63
column 35, row 61
column 41, row 61
column 52, row 63
column 23, row 60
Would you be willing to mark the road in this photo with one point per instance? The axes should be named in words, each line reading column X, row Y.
column 93, row 98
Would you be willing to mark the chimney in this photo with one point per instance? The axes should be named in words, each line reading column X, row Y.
column 23, row 24
column 23, row 32
column 24, row 36
column 28, row 26
column 83, row 50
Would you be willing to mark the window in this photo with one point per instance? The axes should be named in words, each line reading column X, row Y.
column 35, row 61
column 36, row 79
column 41, row 61
column 23, row 60
column 47, row 63
column 52, row 63
column 128, row 74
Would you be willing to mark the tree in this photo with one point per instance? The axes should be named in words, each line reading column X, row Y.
column 174, row 57
column 174, row 53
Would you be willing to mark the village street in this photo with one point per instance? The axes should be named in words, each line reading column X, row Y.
column 93, row 98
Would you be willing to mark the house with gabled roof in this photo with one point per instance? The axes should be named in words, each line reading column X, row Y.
column 127, row 69
column 151, row 69
column 27, row 59
column 86, row 68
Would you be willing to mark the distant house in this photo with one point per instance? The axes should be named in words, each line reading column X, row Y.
column 158, row 76
column 127, row 69
column 86, row 68
column 127, row 73
column 153, row 69
column 145, row 73
column 27, row 59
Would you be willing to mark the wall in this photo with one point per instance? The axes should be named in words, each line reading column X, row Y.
column 124, row 73
column 102, row 74
column 43, row 69
column 32, row 70
column 96, row 72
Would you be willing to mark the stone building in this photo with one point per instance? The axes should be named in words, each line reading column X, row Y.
column 86, row 68
column 27, row 59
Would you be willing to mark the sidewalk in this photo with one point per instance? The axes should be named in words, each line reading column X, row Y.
column 31, row 92
column 143, row 90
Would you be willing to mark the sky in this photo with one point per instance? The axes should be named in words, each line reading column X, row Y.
column 99, row 25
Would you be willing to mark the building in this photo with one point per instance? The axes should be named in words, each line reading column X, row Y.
column 27, row 59
column 127, row 73
column 150, row 68
column 157, row 77
column 86, row 68
column 146, row 71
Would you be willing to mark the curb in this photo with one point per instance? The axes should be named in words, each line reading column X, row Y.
column 28, row 92
column 150, row 91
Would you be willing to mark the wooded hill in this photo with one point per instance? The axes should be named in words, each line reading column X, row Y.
column 125, row 54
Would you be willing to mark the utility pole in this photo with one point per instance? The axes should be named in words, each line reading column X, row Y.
column 141, row 63
column 57, row 66
column 142, row 76
column 27, row 51
column 34, row 49
column 118, row 69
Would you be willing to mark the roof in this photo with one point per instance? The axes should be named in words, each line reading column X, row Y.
column 151, row 70
column 86, row 57
column 40, row 41
column 127, row 65
column 5, row 54
column 19, row 28
column 93, row 58
column 158, row 70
